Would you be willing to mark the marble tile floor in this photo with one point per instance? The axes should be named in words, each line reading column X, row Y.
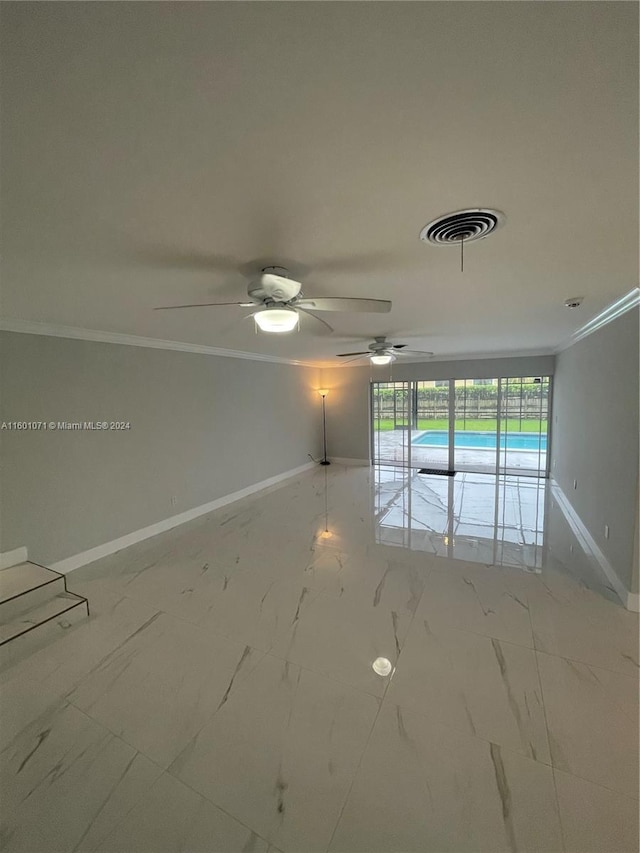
column 222, row 696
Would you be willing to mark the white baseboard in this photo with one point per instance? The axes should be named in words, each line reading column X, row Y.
column 13, row 558
column 346, row 460
column 631, row 600
column 77, row 560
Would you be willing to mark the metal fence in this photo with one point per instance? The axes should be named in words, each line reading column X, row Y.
column 518, row 401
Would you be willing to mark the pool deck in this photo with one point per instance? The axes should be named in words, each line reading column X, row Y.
column 391, row 446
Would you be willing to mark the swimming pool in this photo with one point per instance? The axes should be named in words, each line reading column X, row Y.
column 469, row 439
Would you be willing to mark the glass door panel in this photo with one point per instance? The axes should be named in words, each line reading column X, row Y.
column 390, row 413
column 476, row 425
column 430, row 424
column 476, row 422
column 524, row 424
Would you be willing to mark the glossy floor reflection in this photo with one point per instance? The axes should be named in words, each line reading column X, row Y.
column 223, row 695
column 476, row 517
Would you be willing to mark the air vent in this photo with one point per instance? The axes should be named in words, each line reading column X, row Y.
column 463, row 225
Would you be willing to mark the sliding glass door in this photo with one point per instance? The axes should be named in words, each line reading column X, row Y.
column 430, row 439
column 476, row 424
column 390, row 417
column 524, row 424
column 495, row 425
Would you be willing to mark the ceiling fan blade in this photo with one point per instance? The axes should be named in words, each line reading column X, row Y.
column 414, row 352
column 347, row 354
column 345, row 303
column 398, row 346
column 356, row 358
column 319, row 319
column 204, row 305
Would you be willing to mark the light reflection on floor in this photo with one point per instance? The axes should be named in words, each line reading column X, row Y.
column 476, row 517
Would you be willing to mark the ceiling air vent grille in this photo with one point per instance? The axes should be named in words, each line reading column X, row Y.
column 463, row 225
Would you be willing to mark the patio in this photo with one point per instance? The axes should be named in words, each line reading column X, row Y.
column 390, row 446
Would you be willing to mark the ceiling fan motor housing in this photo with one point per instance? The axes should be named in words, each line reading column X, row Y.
column 380, row 346
column 274, row 283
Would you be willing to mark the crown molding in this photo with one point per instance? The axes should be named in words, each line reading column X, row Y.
column 30, row 327
column 611, row 312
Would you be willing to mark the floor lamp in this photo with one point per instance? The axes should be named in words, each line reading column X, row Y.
column 323, row 393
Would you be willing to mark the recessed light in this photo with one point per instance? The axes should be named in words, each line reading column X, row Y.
column 382, row 666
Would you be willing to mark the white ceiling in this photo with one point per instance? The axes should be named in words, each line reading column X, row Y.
column 153, row 150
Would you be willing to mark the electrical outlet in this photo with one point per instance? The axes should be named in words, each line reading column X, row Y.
column 174, row 500
column 571, row 548
column 575, row 484
column 606, row 531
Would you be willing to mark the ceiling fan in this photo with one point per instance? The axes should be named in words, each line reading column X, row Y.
column 382, row 351
column 279, row 299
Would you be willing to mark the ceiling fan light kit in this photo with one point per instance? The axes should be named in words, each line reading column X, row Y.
column 382, row 352
column 276, row 320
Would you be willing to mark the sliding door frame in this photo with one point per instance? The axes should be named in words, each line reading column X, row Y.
column 498, row 422
column 410, row 386
column 452, row 425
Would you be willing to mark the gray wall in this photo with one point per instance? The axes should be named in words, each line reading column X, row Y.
column 201, row 427
column 595, row 436
column 348, row 399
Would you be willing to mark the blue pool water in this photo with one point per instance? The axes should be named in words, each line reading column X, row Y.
column 510, row 440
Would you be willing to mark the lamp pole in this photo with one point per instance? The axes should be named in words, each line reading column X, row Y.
column 323, row 393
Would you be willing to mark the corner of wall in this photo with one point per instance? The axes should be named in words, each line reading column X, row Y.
column 595, row 395
column 635, row 565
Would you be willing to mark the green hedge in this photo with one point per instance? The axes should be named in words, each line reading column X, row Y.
column 471, row 424
column 472, row 392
